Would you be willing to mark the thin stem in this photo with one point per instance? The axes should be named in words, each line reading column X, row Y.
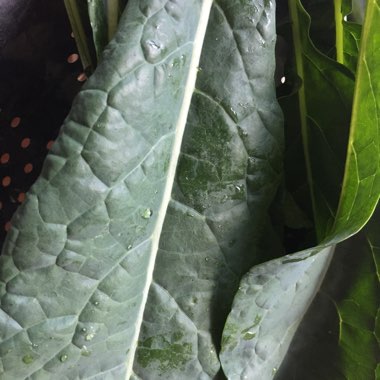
column 77, row 26
column 297, row 41
column 112, row 17
column 338, row 30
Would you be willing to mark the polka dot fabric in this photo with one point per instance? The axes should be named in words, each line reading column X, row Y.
column 40, row 73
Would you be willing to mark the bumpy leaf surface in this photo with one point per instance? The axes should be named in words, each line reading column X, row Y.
column 228, row 174
column 77, row 264
column 358, row 199
column 339, row 336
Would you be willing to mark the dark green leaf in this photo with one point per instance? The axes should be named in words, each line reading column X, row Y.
column 339, row 336
column 98, row 18
column 229, row 171
column 78, row 261
column 326, row 86
column 287, row 278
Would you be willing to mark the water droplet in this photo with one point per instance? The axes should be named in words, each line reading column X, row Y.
column 96, row 303
column 28, row 359
column 242, row 132
column 238, row 188
column 283, row 80
column 243, row 105
column 83, row 329
column 207, row 259
column 234, row 114
column 129, row 247
column 63, row 358
column 89, row 337
column 249, row 335
column 85, row 351
column 257, row 319
column 34, row 345
column 274, row 370
column 147, row 213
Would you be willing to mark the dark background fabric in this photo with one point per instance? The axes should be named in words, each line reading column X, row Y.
column 37, row 85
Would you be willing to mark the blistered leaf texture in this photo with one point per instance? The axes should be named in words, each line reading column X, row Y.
column 267, row 309
column 257, row 355
column 76, row 265
column 339, row 336
column 228, row 175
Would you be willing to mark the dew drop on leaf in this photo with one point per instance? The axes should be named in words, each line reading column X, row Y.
column 63, row 358
column 249, row 335
column 147, row 213
column 28, row 359
column 85, row 351
column 89, row 337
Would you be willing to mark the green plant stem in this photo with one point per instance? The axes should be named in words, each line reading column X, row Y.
column 338, row 30
column 362, row 72
column 74, row 14
column 301, row 94
column 113, row 7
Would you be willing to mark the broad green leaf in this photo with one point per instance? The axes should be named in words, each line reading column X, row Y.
column 358, row 199
column 267, row 309
column 339, row 336
column 345, row 46
column 326, row 85
column 350, row 36
column 361, row 186
column 228, row 174
column 78, row 261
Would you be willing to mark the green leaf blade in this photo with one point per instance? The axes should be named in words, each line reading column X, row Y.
column 78, row 261
column 326, row 85
column 228, row 175
column 344, row 343
column 266, row 312
column 357, row 201
column 361, row 186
